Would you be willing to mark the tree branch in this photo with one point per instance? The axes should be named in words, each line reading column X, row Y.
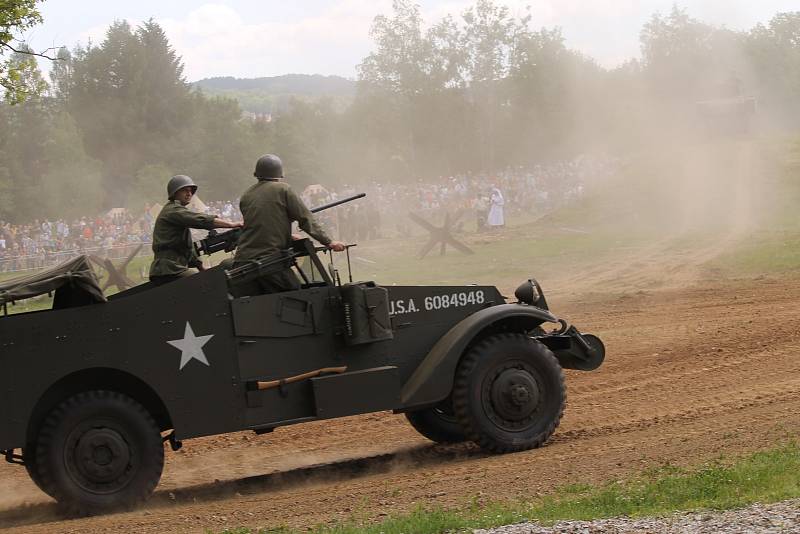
column 31, row 52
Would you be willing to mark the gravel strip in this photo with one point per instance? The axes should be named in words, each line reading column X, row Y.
column 783, row 517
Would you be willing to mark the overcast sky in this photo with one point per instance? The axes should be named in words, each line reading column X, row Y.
column 254, row 38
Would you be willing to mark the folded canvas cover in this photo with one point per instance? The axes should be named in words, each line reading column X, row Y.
column 74, row 283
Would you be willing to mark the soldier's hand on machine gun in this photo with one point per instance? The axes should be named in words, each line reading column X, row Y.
column 336, row 246
column 297, row 237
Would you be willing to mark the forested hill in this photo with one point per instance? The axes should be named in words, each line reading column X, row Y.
column 301, row 84
column 272, row 94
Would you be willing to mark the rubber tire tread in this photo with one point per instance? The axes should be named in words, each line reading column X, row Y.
column 56, row 427
column 29, row 457
column 478, row 427
column 429, row 423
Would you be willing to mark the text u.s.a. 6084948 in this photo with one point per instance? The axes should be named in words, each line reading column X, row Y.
column 437, row 302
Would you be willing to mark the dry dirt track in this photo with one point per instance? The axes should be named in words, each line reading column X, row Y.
column 691, row 374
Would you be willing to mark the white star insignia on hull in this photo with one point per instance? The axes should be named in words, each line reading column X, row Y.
column 191, row 346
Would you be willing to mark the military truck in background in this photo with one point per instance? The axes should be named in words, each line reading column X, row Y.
column 727, row 117
column 92, row 389
column 730, row 112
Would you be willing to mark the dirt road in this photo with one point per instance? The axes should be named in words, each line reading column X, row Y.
column 691, row 374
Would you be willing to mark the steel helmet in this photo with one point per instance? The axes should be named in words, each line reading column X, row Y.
column 179, row 181
column 269, row 166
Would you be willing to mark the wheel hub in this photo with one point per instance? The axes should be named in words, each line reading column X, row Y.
column 519, row 395
column 515, row 394
column 102, row 455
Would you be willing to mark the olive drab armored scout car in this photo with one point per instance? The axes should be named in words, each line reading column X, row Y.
column 92, row 389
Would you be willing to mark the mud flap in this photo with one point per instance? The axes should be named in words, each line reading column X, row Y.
column 584, row 352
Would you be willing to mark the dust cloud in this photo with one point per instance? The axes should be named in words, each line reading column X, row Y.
column 14, row 493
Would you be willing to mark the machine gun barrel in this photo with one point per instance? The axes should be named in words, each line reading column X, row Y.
column 337, row 202
column 227, row 241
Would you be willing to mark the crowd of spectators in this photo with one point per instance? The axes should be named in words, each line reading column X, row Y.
column 467, row 198
column 45, row 242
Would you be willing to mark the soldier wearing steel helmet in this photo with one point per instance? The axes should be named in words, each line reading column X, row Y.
column 269, row 208
column 174, row 255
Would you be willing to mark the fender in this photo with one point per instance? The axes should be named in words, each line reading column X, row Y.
column 25, row 417
column 433, row 379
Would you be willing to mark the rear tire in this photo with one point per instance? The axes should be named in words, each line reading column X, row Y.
column 99, row 451
column 29, row 457
column 438, row 423
column 509, row 393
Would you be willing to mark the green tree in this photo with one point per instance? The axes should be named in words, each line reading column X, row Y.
column 61, row 76
column 305, row 138
column 392, row 76
column 44, row 165
column 397, row 64
column 411, row 96
column 558, row 100
column 102, row 98
column 217, row 147
column 138, row 115
column 675, row 49
column 149, row 186
column 774, row 54
column 164, row 101
column 6, row 192
column 491, row 37
column 685, row 59
column 71, row 184
column 25, row 80
column 17, row 16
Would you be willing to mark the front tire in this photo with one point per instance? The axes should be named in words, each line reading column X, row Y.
column 438, row 423
column 509, row 393
column 99, row 451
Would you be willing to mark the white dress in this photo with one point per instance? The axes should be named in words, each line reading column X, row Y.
column 496, row 211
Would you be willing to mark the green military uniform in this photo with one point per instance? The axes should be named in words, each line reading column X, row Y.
column 173, row 250
column 269, row 207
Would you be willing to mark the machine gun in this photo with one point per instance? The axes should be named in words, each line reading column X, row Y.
column 227, row 241
column 216, row 241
